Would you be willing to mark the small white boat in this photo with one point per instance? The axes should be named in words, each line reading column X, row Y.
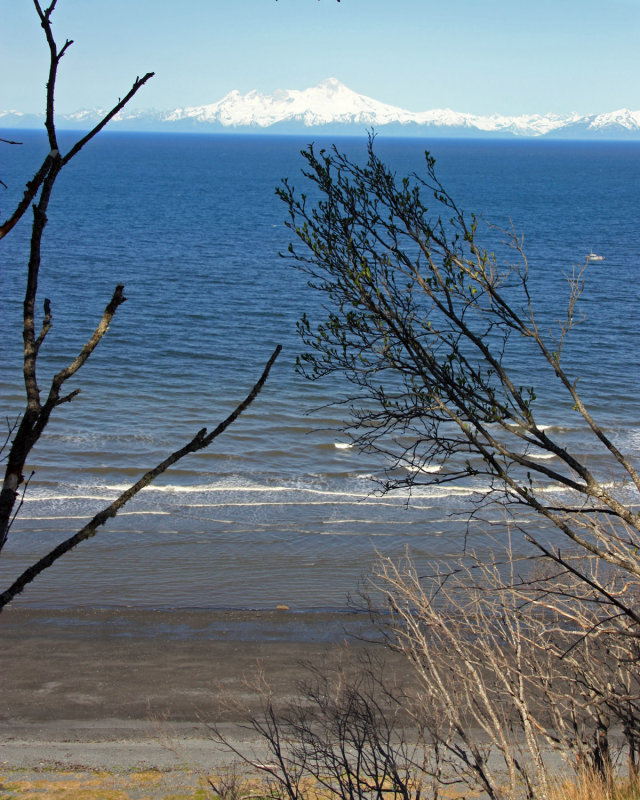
column 594, row 257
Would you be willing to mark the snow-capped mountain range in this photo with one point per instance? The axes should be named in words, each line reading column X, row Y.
column 332, row 108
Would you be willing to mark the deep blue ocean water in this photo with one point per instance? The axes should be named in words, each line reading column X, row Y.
column 279, row 510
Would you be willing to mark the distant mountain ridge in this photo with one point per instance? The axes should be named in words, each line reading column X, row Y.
column 333, row 108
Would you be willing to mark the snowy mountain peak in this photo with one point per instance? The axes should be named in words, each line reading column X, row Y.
column 332, row 107
column 328, row 102
column 629, row 120
column 331, row 103
column 331, row 85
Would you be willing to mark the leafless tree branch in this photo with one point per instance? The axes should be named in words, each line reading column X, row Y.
column 37, row 414
column 201, row 440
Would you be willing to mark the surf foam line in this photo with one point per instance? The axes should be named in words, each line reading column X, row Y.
column 392, row 499
column 373, row 500
column 52, row 517
column 419, row 491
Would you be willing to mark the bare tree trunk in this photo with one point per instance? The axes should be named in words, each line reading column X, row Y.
column 37, row 412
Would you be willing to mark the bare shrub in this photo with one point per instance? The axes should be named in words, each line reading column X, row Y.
column 348, row 734
column 518, row 667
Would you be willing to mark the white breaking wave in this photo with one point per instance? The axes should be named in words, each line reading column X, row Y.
column 393, row 522
column 85, row 517
column 303, row 501
column 37, row 497
column 292, row 495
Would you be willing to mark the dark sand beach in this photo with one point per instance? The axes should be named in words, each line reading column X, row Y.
column 132, row 689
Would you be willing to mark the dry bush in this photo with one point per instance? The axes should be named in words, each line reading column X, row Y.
column 348, row 734
column 590, row 785
column 516, row 670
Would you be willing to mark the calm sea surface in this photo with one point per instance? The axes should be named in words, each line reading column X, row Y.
column 279, row 510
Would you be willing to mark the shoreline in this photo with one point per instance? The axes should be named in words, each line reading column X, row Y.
column 125, row 689
column 125, row 699
column 283, row 623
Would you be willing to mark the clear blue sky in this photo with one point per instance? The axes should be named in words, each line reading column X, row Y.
column 479, row 56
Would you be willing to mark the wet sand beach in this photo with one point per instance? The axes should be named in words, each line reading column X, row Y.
column 131, row 689
column 122, row 700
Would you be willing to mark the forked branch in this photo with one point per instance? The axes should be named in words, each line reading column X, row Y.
column 36, row 414
column 54, row 157
column 201, row 440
